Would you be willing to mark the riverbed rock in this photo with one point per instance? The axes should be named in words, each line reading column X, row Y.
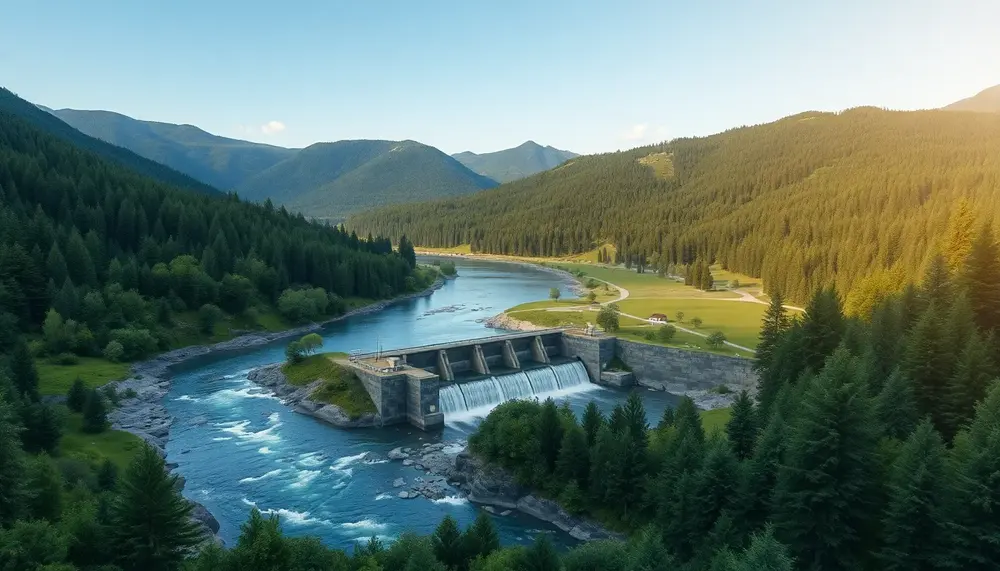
column 272, row 378
column 509, row 323
column 398, row 483
column 407, row 462
column 397, row 454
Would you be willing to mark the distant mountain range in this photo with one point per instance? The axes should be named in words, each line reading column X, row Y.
column 324, row 180
column 512, row 164
column 986, row 101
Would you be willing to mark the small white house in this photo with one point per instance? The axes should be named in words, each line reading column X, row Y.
column 658, row 318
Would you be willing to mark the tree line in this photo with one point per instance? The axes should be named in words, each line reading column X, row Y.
column 807, row 201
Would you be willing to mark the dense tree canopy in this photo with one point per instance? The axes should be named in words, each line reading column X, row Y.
column 812, row 200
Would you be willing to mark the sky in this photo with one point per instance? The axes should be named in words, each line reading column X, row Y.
column 483, row 75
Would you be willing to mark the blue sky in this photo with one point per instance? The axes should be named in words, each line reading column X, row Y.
column 485, row 75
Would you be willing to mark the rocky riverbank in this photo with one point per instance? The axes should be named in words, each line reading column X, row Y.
column 509, row 323
column 271, row 377
column 144, row 414
column 450, row 466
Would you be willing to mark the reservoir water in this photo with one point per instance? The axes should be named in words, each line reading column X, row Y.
column 237, row 446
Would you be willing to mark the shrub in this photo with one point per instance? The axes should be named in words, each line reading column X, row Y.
column 111, row 394
column 591, row 296
column 666, row 332
column 649, row 336
column 448, row 268
column 65, row 359
column 95, row 415
column 136, row 343
column 592, row 283
column 716, row 339
column 607, row 318
column 679, row 316
column 696, row 321
column 114, row 351
column 77, row 396
column 554, row 293
column 208, row 316
column 295, row 352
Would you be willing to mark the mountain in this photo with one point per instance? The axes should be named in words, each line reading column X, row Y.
column 324, row 180
column 806, row 201
column 513, row 164
column 45, row 121
column 222, row 162
column 986, row 101
column 333, row 180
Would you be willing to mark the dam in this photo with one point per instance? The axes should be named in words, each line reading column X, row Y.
column 421, row 385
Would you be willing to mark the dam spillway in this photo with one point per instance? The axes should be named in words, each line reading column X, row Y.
column 462, row 399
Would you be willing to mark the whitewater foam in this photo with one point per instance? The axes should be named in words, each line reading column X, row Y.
column 304, row 478
column 345, row 461
column 222, row 438
column 270, row 474
column 293, row 517
column 365, row 524
column 187, row 398
column 240, row 431
column 452, row 501
column 311, row 459
column 264, row 450
column 228, row 396
column 273, row 417
column 383, row 497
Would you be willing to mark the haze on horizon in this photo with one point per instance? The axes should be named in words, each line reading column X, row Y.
column 584, row 76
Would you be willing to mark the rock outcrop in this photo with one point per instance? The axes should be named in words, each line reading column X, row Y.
column 507, row 322
column 272, row 378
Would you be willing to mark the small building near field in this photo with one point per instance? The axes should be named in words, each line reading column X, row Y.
column 658, row 318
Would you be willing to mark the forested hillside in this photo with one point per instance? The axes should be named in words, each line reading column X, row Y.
column 219, row 161
column 513, row 164
column 333, row 180
column 810, row 200
column 986, row 101
column 11, row 103
column 116, row 254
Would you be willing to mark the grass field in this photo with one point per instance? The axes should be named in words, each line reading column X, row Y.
column 642, row 285
column 340, row 386
column 681, row 340
column 712, row 420
column 94, row 372
column 566, row 318
column 739, row 321
column 117, row 446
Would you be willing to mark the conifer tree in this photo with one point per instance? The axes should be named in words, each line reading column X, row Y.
column 977, row 529
column 822, row 510
column 649, row 554
column 55, row 265
column 981, row 278
column 928, row 362
column 765, row 553
column 688, row 421
column 822, row 327
column 761, row 474
column 540, row 556
column 23, row 372
column 77, row 396
column 481, row 538
column 774, row 323
column 715, row 490
column 12, row 466
column 592, row 422
column 574, row 457
column 550, row 433
column 636, row 443
column 447, row 542
column 959, row 238
column 606, row 467
column 260, row 545
column 742, row 426
column 916, row 524
column 666, row 420
column 896, row 407
column 44, row 489
column 95, row 415
column 967, row 386
column 936, row 286
column 406, row 251
column 151, row 528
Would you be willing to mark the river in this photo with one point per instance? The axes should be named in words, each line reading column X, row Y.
column 237, row 446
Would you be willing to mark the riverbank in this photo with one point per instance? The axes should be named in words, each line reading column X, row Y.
column 272, row 378
column 452, row 464
column 145, row 416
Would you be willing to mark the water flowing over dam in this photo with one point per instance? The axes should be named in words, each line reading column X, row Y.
column 460, row 399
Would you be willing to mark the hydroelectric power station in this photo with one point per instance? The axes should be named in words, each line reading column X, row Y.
column 421, row 385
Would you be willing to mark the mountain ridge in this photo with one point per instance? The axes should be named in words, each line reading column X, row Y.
column 515, row 163
column 986, row 101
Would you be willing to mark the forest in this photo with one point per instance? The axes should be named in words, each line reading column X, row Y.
column 811, row 200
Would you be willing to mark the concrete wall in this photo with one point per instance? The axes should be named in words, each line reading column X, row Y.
column 595, row 352
column 423, row 402
column 677, row 370
column 400, row 397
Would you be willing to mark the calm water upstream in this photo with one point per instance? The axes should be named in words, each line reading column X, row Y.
column 238, row 447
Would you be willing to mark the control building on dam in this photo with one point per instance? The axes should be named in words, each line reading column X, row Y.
column 421, row 385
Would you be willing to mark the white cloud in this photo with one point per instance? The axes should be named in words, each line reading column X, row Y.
column 272, row 127
column 636, row 133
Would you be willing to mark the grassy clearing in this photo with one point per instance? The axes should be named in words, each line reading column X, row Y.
column 727, row 276
column 712, row 420
column 661, row 163
column 739, row 321
column 565, row 303
column 681, row 340
column 643, row 285
column 94, row 372
column 461, row 249
column 117, row 446
column 340, row 386
column 566, row 318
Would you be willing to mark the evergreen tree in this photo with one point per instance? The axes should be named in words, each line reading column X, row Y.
column 481, row 539
column 549, row 433
column 981, row 278
column 822, row 327
column 822, row 509
column 95, row 415
column 260, row 545
column 761, row 474
column 23, row 373
column 742, row 426
column 977, row 537
column 896, row 407
column 606, row 467
column 636, row 444
column 688, row 421
column 107, row 476
column 774, row 323
column 55, row 265
column 927, row 362
column 541, row 556
column 765, row 553
column 916, row 522
column 77, row 396
column 968, row 385
column 592, row 422
column 958, row 241
column 574, row 457
column 936, row 287
column 42, row 427
column 448, row 545
column 666, row 420
column 152, row 528
column 44, row 490
column 406, row 251
column 715, row 491
column 12, row 466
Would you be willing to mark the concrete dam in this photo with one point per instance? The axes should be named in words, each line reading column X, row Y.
column 422, row 385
